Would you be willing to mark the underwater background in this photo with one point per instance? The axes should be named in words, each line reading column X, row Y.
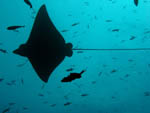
column 114, row 81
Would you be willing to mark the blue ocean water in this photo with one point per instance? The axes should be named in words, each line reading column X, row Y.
column 114, row 81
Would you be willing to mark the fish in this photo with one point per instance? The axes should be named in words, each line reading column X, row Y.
column 113, row 71
column 9, row 84
column 65, row 30
column 93, row 82
column 22, row 64
column 83, row 95
column 14, row 27
column 95, row 17
column 13, row 82
column 100, row 73
column 127, row 75
column 3, row 51
column 53, row 105
column 86, row 3
column 6, row 110
column 108, row 20
column 69, row 15
column 136, row 2
column 67, row 103
column 70, row 69
column 22, row 81
column 113, row 97
column 72, row 76
column 25, row 108
column 132, row 38
column 74, row 24
column 147, row 93
column 45, row 48
column 28, row 3
column 41, row 95
column 1, row 79
column 115, row 30
column 11, row 103
column 146, row 32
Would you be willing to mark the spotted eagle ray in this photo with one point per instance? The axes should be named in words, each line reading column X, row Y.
column 45, row 48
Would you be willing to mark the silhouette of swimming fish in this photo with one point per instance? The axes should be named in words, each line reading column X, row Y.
column 28, row 3
column 14, row 27
column 136, row 2
column 3, row 51
column 72, row 76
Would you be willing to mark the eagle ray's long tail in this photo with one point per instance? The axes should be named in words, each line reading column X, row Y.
column 122, row 49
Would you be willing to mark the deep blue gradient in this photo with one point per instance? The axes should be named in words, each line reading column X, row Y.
column 124, row 83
